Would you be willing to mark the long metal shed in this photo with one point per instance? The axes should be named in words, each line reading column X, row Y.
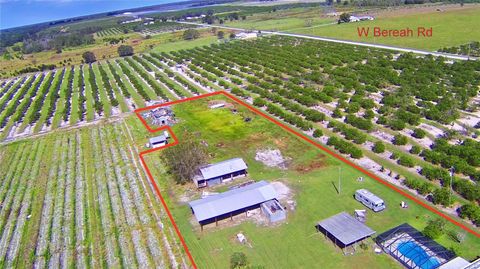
column 344, row 229
column 213, row 174
column 234, row 201
column 223, row 168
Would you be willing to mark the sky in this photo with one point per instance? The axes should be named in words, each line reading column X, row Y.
column 15, row 13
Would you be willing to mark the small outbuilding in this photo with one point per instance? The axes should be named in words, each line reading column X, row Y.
column 159, row 141
column 344, row 230
column 274, row 211
column 214, row 174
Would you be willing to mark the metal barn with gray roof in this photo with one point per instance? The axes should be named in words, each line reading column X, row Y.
column 159, row 141
column 344, row 230
column 232, row 202
column 217, row 173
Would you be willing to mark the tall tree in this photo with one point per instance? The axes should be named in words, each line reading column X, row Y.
column 183, row 160
column 125, row 50
column 191, row 34
column 89, row 57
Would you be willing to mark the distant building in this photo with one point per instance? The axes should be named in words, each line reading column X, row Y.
column 366, row 18
column 159, row 141
column 237, row 201
column 333, row 14
column 353, row 19
column 214, row 174
column 245, row 35
column 132, row 21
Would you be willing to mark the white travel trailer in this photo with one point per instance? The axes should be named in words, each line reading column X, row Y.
column 370, row 200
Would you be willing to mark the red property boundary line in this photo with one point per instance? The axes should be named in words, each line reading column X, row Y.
column 288, row 129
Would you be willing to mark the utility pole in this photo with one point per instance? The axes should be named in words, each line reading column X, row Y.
column 339, row 181
column 452, row 171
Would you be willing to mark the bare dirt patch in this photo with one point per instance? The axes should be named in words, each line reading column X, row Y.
column 281, row 143
column 317, row 163
column 283, row 191
column 272, row 158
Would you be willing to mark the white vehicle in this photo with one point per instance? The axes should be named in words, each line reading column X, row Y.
column 370, row 200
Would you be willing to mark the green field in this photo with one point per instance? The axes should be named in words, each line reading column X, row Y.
column 286, row 20
column 164, row 45
column 312, row 177
column 450, row 28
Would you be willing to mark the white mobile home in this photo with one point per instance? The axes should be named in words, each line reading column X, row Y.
column 370, row 200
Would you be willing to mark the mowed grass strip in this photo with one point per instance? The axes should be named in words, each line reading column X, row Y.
column 75, row 94
column 47, row 103
column 90, row 112
column 107, row 106
column 135, row 96
column 118, row 93
column 58, row 116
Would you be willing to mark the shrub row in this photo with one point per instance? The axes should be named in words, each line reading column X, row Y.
column 137, row 85
column 119, row 81
column 108, row 86
column 22, row 110
column 16, row 102
column 38, row 103
column 96, row 95
column 345, row 147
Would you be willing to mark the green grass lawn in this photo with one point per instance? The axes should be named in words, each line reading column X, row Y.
column 75, row 94
column 168, row 45
column 89, row 104
column 46, row 105
column 285, row 20
column 450, row 28
column 295, row 243
column 118, row 92
column 58, row 116
column 107, row 106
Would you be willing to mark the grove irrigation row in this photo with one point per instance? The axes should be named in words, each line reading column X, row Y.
column 78, row 199
column 71, row 96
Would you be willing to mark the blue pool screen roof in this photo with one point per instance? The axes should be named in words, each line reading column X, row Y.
column 346, row 228
column 232, row 200
column 390, row 239
column 223, row 168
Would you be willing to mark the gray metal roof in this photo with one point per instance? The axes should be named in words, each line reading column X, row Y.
column 158, row 139
column 346, row 228
column 223, row 168
column 457, row 263
column 232, row 200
